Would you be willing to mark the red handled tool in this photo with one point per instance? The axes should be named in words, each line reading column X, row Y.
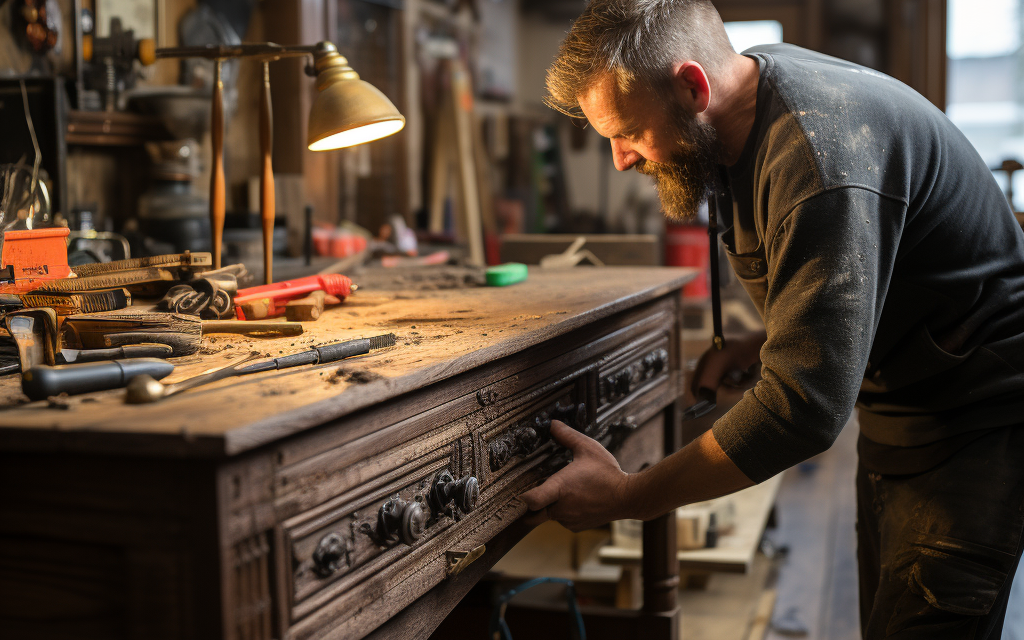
column 269, row 300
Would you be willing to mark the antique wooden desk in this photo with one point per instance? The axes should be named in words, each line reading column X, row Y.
column 356, row 498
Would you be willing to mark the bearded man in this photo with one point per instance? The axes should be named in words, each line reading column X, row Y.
column 888, row 270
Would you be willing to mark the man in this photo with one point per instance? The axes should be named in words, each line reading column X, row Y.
column 889, row 272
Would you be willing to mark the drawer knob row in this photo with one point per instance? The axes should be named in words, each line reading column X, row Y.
column 624, row 381
column 526, row 437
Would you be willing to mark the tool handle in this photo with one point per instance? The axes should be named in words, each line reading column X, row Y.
column 127, row 351
column 41, row 382
column 332, row 283
column 296, row 359
column 339, row 350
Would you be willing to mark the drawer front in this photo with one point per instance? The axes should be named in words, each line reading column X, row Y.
column 332, row 549
column 369, row 526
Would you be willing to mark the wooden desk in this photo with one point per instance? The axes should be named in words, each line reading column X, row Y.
column 251, row 509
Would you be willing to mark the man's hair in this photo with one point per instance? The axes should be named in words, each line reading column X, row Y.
column 637, row 41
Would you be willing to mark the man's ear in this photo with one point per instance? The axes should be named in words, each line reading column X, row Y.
column 692, row 86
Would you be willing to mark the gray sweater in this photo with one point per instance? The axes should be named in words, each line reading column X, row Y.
column 885, row 261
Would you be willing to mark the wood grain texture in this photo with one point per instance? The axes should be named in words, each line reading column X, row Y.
column 441, row 333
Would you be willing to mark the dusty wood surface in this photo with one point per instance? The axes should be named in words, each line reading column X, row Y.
column 441, row 333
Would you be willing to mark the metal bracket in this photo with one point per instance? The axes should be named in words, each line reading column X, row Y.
column 459, row 560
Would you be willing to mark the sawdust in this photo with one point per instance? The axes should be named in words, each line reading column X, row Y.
column 354, row 376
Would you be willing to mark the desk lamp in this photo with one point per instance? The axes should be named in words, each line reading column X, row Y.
column 347, row 111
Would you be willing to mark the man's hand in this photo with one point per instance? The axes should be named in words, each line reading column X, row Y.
column 589, row 492
column 734, row 361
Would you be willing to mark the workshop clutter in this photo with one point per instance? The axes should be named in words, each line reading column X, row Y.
column 338, row 242
column 698, row 526
column 72, row 329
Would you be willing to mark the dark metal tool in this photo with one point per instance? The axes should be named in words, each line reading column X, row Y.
column 41, row 382
column 326, row 353
column 142, row 390
column 68, row 356
column 145, row 389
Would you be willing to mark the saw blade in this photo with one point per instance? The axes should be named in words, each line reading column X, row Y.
column 66, row 304
column 167, row 261
column 114, row 280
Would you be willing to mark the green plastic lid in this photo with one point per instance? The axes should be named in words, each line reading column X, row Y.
column 506, row 274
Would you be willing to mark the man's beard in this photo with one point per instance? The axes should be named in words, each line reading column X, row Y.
column 687, row 181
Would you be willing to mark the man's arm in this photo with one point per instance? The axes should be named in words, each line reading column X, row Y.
column 593, row 490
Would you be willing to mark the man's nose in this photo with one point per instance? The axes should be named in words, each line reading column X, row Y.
column 623, row 156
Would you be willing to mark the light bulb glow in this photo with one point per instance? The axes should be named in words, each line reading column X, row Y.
column 358, row 135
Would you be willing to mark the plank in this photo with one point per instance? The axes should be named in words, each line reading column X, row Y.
column 735, row 552
column 441, row 333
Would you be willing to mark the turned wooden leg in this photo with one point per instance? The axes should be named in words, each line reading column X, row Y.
column 267, row 178
column 217, row 193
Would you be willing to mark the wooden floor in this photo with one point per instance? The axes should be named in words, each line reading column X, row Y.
column 817, row 509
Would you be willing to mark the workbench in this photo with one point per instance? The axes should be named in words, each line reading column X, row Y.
column 304, row 503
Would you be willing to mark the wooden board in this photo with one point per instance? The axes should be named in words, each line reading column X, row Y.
column 735, row 552
column 441, row 333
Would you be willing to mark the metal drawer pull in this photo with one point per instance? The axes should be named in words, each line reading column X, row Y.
column 330, row 553
column 452, row 497
column 459, row 560
column 401, row 520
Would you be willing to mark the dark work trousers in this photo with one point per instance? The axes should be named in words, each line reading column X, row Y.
column 937, row 550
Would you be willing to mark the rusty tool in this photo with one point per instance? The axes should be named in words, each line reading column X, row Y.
column 69, row 356
column 67, row 304
column 35, row 333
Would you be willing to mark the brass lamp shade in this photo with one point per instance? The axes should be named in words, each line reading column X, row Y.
column 347, row 111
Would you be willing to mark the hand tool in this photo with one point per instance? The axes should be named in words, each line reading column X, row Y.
column 41, row 382
column 308, row 308
column 268, row 300
column 142, row 390
column 35, row 333
column 118, row 328
column 252, row 328
column 68, row 356
column 36, row 255
column 67, row 304
column 147, row 276
column 326, row 353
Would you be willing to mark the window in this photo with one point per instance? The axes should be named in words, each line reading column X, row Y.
column 748, row 33
column 984, row 97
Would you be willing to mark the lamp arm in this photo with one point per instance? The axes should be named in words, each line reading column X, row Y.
column 264, row 51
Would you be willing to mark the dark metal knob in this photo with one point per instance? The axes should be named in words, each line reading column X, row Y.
column 499, row 451
column 466, row 493
column 447, row 490
column 401, row 520
column 623, row 381
column 527, row 439
column 329, row 554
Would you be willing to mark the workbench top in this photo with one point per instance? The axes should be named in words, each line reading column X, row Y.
column 441, row 333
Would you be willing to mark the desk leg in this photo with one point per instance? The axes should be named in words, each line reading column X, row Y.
column 660, row 566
